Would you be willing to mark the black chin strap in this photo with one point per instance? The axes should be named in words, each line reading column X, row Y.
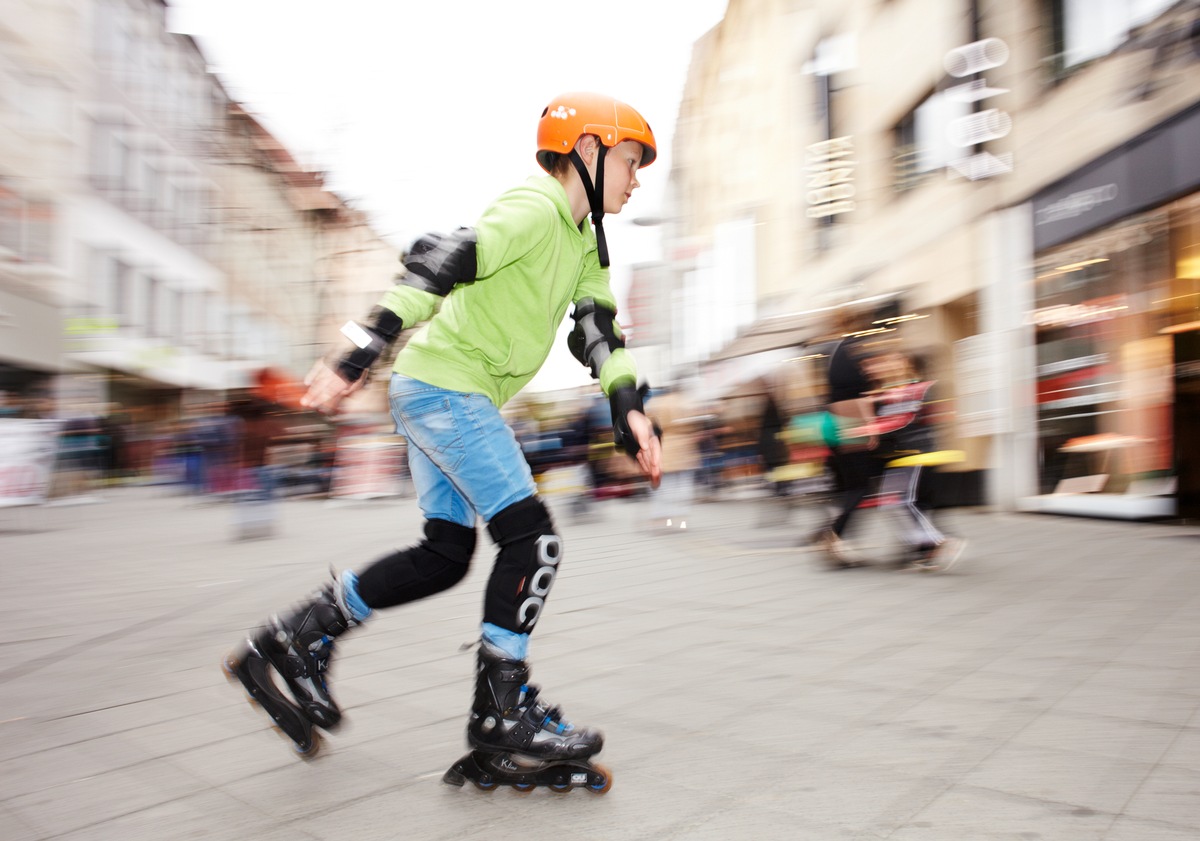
column 595, row 196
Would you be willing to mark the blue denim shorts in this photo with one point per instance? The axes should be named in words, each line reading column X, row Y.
column 464, row 459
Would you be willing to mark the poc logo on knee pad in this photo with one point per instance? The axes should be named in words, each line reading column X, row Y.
column 549, row 553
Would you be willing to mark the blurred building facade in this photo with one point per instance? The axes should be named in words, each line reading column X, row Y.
column 1020, row 175
column 157, row 244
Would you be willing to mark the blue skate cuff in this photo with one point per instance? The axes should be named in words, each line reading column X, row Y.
column 515, row 645
column 358, row 608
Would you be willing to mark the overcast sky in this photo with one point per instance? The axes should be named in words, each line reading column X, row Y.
column 423, row 112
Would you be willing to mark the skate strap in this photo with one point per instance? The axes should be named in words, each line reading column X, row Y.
column 535, row 717
column 310, row 662
column 552, row 720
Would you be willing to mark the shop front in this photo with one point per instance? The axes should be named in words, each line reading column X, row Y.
column 1117, row 288
column 30, row 350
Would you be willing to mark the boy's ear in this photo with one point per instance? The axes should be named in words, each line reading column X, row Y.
column 586, row 147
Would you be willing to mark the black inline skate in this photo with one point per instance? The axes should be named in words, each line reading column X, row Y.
column 520, row 741
column 298, row 647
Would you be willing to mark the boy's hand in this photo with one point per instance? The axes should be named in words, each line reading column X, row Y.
column 327, row 389
column 649, row 456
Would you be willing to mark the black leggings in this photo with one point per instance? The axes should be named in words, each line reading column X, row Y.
column 524, row 570
column 854, row 470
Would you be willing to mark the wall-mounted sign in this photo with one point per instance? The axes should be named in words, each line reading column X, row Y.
column 1152, row 169
column 1074, row 315
column 980, row 126
column 831, row 177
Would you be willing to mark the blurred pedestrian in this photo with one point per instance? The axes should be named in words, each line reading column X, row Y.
column 772, row 450
column 711, row 477
column 908, row 414
column 671, row 504
column 258, row 429
column 852, row 462
column 494, row 296
column 877, row 407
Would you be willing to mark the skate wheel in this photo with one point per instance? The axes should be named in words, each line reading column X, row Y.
column 600, row 780
column 229, row 667
column 485, row 783
column 309, row 753
column 524, row 787
column 561, row 781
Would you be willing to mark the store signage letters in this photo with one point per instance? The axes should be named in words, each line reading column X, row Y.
column 1076, row 204
column 831, row 177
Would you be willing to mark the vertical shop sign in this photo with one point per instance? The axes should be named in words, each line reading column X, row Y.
column 831, row 177
column 977, row 372
column 981, row 125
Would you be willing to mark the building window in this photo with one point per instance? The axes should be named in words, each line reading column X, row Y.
column 153, row 306
column 921, row 143
column 164, row 311
column 45, row 104
column 1105, row 306
column 101, row 282
column 122, row 291
column 175, row 327
column 26, row 226
column 1084, row 30
column 112, row 158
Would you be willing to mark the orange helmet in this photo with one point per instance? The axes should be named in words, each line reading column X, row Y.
column 572, row 115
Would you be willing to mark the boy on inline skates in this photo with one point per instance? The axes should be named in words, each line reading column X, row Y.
column 493, row 297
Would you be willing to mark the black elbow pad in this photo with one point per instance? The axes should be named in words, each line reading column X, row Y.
column 437, row 263
column 596, row 335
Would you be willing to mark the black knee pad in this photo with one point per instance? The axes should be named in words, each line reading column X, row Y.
column 525, row 566
column 437, row 563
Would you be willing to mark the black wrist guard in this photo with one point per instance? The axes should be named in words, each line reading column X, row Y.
column 370, row 340
column 623, row 400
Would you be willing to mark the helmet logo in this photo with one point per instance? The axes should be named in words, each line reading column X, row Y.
column 562, row 113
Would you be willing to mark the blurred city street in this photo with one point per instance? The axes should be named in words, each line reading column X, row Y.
column 924, row 252
column 1045, row 688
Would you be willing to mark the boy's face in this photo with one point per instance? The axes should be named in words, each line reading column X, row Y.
column 620, row 174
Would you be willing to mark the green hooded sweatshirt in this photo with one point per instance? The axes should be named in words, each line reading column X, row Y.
column 493, row 335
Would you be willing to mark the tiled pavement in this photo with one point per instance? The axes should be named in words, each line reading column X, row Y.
column 1047, row 688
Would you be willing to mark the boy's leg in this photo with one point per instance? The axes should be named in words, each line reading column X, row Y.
column 296, row 646
column 507, row 716
column 439, row 561
column 525, row 568
column 466, row 439
column 298, row 643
